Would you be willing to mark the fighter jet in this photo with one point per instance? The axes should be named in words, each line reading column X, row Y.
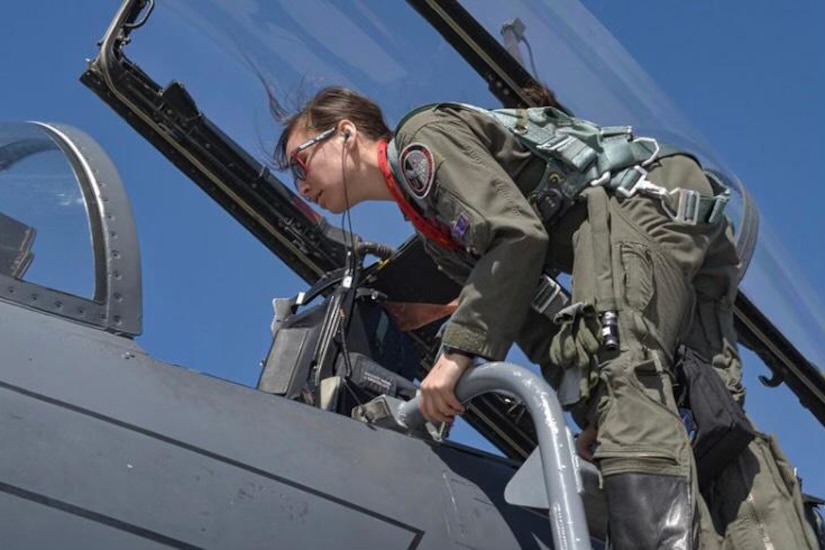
column 108, row 446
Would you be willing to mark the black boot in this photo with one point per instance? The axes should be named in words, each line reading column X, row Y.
column 650, row 512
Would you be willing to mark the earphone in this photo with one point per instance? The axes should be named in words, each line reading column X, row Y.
column 347, row 135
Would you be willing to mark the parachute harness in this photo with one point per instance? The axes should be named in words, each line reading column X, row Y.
column 580, row 154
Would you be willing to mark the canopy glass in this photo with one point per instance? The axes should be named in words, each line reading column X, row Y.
column 388, row 51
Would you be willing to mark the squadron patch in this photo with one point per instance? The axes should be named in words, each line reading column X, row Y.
column 418, row 167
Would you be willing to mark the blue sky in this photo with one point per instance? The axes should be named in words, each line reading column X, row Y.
column 750, row 77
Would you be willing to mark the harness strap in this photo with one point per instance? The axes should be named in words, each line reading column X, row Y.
column 598, row 215
column 681, row 205
column 619, row 167
column 430, row 229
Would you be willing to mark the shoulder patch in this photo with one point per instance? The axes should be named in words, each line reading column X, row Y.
column 418, row 168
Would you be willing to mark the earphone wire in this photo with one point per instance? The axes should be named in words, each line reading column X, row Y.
column 347, row 214
column 352, row 259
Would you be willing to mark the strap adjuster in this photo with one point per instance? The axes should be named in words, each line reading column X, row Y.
column 719, row 203
column 570, row 149
column 688, row 204
column 692, row 207
column 549, row 298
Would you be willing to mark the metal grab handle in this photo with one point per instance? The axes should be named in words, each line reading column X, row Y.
column 558, row 460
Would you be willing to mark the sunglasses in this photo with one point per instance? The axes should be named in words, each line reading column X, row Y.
column 297, row 165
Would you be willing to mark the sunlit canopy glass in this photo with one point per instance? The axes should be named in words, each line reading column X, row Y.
column 387, row 51
column 44, row 225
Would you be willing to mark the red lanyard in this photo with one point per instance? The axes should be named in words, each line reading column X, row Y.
column 431, row 229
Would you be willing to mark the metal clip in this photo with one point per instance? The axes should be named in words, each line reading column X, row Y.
column 549, row 298
column 687, row 206
column 601, row 180
column 718, row 207
column 642, row 185
column 655, row 153
column 521, row 122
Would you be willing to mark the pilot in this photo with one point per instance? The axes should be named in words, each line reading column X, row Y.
column 499, row 200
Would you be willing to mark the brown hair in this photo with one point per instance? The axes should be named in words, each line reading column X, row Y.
column 540, row 95
column 326, row 109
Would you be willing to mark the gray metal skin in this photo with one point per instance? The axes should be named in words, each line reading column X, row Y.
column 105, row 447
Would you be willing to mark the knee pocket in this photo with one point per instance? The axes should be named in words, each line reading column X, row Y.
column 644, row 377
column 636, row 418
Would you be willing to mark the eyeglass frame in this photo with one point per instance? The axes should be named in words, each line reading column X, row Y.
column 297, row 166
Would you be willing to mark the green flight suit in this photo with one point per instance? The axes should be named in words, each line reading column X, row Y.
column 480, row 177
column 756, row 501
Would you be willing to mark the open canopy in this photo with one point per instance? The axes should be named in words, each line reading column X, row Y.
column 404, row 55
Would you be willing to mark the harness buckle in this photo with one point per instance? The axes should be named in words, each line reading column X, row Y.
column 639, row 184
column 687, row 206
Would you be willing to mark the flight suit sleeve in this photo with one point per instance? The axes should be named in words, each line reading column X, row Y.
column 490, row 217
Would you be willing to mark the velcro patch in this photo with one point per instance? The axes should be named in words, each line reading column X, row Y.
column 418, row 168
column 459, row 228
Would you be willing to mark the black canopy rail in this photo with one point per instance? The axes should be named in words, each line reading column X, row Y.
column 171, row 121
column 504, row 75
column 786, row 362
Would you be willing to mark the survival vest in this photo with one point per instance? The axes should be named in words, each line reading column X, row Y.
column 579, row 154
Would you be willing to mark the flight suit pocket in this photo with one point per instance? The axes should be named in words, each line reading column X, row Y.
column 638, row 429
column 637, row 274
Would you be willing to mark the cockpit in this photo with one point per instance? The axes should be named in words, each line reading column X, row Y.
column 400, row 54
column 158, row 67
column 67, row 245
column 308, row 330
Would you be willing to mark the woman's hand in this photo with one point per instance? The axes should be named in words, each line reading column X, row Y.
column 586, row 442
column 437, row 399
